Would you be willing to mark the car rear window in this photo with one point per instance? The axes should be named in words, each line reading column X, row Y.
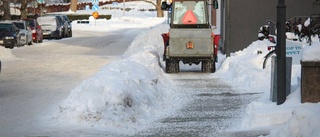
column 47, row 20
column 19, row 25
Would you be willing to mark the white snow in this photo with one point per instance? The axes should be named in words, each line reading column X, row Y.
column 6, row 54
column 311, row 53
column 291, row 119
column 123, row 93
column 307, row 22
column 132, row 92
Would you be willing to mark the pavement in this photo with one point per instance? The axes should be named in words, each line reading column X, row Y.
column 211, row 108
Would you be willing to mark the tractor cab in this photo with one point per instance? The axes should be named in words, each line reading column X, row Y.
column 189, row 14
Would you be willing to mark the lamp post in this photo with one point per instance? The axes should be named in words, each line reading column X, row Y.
column 226, row 26
column 228, row 30
column 280, row 51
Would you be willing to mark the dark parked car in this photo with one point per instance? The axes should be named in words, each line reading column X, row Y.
column 37, row 36
column 66, row 19
column 9, row 34
column 64, row 24
column 52, row 27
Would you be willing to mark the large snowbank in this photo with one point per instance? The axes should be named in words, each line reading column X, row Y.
column 131, row 91
column 244, row 68
column 291, row 119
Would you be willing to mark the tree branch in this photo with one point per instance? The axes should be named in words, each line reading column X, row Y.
column 155, row 5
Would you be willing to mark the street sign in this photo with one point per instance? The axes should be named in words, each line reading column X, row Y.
column 95, row 1
column 95, row 7
column 87, row 7
column 40, row 1
column 95, row 15
column 294, row 50
column 114, row 4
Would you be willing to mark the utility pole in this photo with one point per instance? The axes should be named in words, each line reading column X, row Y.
column 124, row 7
column 281, row 52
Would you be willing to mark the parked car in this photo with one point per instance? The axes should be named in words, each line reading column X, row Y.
column 36, row 29
column 62, row 22
column 51, row 27
column 9, row 35
column 25, row 32
column 66, row 19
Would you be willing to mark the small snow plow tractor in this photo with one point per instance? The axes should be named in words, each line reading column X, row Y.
column 190, row 38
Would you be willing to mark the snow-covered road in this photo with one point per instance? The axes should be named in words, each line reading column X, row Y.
column 42, row 75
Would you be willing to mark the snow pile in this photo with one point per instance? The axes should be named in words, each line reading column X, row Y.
column 304, row 120
column 293, row 118
column 5, row 53
column 311, row 53
column 289, row 119
column 129, row 91
column 244, row 68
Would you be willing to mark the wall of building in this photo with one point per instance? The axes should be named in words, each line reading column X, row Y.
column 247, row 16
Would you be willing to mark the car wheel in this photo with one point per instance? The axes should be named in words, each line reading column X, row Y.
column 64, row 34
column 15, row 44
column 36, row 40
column 30, row 43
column 59, row 36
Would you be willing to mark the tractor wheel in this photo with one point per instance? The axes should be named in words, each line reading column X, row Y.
column 169, row 66
column 206, row 66
column 213, row 69
column 172, row 66
column 176, row 66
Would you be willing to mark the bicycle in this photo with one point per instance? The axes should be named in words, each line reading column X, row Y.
column 266, row 57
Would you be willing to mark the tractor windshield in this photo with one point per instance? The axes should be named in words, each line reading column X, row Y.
column 189, row 12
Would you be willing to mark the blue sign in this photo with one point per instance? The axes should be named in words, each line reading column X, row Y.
column 87, row 7
column 40, row 1
column 95, row 1
column 114, row 3
column 95, row 7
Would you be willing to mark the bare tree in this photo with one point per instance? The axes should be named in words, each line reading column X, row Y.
column 73, row 5
column 1, row 6
column 157, row 5
column 23, row 8
column 6, row 10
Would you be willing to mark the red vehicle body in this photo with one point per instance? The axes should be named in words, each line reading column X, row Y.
column 37, row 35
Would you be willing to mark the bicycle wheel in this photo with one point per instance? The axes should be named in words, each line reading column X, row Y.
column 266, row 58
